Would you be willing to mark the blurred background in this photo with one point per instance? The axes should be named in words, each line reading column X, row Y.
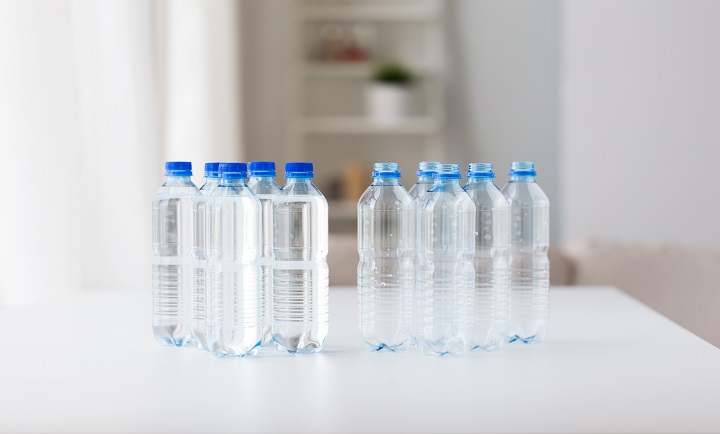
column 617, row 103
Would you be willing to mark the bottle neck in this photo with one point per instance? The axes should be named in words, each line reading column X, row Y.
column 447, row 181
column 425, row 180
column 474, row 180
column 523, row 178
column 298, row 181
column 173, row 180
column 386, row 181
column 232, row 182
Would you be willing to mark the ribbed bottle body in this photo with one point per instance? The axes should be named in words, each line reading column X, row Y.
column 491, row 265
column 528, row 260
column 386, row 268
column 172, row 261
column 266, row 189
column 300, row 270
column 234, row 319
column 444, row 299
column 199, row 261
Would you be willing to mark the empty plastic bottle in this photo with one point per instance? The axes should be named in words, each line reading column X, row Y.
column 300, row 270
column 385, row 271
column 491, row 258
column 262, row 183
column 529, row 266
column 444, row 299
column 172, row 261
column 199, row 253
column 234, row 320
column 426, row 170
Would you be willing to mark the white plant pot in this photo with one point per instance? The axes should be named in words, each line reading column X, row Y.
column 387, row 103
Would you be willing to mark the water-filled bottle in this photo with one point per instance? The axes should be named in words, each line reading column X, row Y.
column 234, row 319
column 300, row 270
column 444, row 300
column 172, row 261
column 262, row 182
column 529, row 265
column 491, row 258
column 199, row 253
column 385, row 271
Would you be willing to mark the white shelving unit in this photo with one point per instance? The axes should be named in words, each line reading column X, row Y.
column 325, row 101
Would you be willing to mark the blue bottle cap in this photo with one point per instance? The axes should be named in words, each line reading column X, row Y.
column 386, row 170
column 480, row 170
column 299, row 170
column 262, row 168
column 448, row 171
column 178, row 168
column 428, row 168
column 522, row 168
column 212, row 170
column 233, row 170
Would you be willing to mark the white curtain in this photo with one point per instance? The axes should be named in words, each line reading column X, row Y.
column 94, row 97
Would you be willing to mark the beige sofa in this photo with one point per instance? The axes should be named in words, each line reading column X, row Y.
column 677, row 281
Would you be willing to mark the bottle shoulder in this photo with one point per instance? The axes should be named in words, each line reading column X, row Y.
column 525, row 194
column 263, row 185
column 386, row 197
column 490, row 197
column 450, row 199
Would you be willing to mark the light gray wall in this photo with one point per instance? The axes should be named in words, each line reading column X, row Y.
column 641, row 120
column 503, row 89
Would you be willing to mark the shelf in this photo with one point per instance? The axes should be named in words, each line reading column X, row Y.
column 352, row 69
column 338, row 69
column 361, row 125
column 371, row 13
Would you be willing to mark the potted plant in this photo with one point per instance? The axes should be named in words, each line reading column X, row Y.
column 389, row 95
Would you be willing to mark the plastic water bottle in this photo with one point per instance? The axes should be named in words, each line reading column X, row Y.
column 426, row 170
column 172, row 262
column 199, row 253
column 491, row 258
column 262, row 183
column 234, row 320
column 385, row 271
column 529, row 266
column 444, row 300
column 300, row 270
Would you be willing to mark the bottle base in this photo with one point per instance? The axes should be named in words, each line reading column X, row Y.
column 391, row 348
column 443, row 348
column 228, row 352
column 534, row 339
column 164, row 336
column 297, row 346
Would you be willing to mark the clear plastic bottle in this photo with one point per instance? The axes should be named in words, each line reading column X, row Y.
column 426, row 170
column 491, row 258
column 262, row 183
column 529, row 265
column 444, row 300
column 234, row 320
column 199, row 253
column 172, row 261
column 385, row 271
column 300, row 270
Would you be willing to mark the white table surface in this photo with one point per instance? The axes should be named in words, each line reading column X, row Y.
column 610, row 364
